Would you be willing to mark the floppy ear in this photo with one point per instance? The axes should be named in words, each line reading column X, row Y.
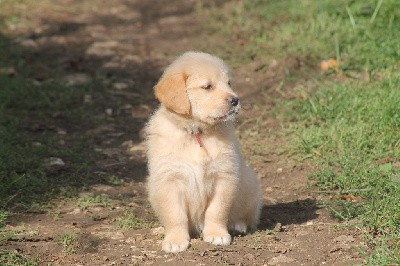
column 171, row 91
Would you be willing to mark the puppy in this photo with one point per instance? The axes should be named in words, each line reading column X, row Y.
column 198, row 181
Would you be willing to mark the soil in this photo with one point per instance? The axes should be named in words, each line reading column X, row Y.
column 131, row 42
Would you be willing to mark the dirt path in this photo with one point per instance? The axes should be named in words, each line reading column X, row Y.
column 130, row 42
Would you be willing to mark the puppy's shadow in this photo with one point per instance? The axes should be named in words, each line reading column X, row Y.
column 295, row 212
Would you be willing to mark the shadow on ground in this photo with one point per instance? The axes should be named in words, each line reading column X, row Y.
column 295, row 212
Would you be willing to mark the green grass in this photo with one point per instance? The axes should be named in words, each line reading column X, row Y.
column 8, row 257
column 361, row 35
column 31, row 115
column 69, row 242
column 129, row 221
column 352, row 132
column 27, row 140
column 98, row 200
column 347, row 121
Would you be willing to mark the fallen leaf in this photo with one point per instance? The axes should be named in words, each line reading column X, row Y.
column 349, row 197
column 328, row 64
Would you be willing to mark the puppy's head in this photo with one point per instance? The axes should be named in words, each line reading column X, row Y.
column 197, row 85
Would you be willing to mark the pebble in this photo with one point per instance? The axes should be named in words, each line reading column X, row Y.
column 36, row 144
column 28, row 43
column 120, row 85
column 280, row 259
column 76, row 79
column 87, row 98
column 54, row 161
column 109, row 111
column 249, row 256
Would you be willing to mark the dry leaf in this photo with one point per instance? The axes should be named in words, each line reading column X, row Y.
column 349, row 197
column 328, row 64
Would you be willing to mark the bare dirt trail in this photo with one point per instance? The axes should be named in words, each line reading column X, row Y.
column 130, row 42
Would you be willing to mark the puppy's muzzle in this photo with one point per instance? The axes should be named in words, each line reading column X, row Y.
column 233, row 101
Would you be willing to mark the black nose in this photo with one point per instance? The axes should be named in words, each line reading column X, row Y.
column 234, row 101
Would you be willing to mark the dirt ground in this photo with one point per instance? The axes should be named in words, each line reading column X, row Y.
column 131, row 42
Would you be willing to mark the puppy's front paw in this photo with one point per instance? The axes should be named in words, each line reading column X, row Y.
column 174, row 244
column 218, row 239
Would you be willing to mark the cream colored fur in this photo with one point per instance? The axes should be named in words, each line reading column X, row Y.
column 196, row 189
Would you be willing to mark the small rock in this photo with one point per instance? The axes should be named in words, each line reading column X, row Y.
column 61, row 131
column 249, row 256
column 127, row 106
column 280, row 259
column 77, row 79
column 36, row 144
column 109, row 111
column 279, row 170
column 10, row 71
column 120, row 85
column 87, row 98
column 102, row 49
column 54, row 161
column 28, row 43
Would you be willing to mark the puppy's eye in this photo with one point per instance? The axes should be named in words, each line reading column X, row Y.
column 207, row 87
column 229, row 83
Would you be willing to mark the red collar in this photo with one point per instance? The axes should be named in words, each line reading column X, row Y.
column 198, row 139
column 196, row 131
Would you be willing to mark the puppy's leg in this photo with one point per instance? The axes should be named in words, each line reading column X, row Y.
column 246, row 207
column 169, row 201
column 216, row 215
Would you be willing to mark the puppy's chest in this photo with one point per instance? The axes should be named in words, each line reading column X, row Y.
column 211, row 154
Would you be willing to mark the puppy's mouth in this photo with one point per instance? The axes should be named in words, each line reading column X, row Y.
column 230, row 115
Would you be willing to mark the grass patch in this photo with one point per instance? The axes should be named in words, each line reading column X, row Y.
column 348, row 126
column 8, row 257
column 29, row 139
column 361, row 35
column 69, row 242
column 352, row 132
column 129, row 221
column 98, row 200
column 35, row 120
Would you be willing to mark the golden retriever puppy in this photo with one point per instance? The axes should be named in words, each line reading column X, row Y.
column 198, row 181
